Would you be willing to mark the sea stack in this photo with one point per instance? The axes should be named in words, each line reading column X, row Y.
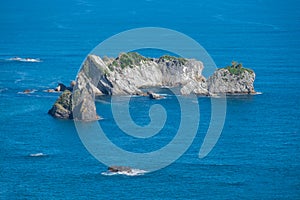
column 62, row 108
column 234, row 79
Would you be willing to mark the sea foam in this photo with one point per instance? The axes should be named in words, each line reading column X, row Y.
column 24, row 59
column 133, row 172
column 37, row 155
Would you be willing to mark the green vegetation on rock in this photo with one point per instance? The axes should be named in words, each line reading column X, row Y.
column 65, row 100
column 136, row 57
column 62, row 108
column 132, row 59
column 180, row 60
column 127, row 60
column 237, row 68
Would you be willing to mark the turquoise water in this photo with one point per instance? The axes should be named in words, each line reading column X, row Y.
column 257, row 156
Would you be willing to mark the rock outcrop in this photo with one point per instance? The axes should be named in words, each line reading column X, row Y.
column 233, row 79
column 62, row 108
column 130, row 73
column 153, row 95
column 61, row 87
column 27, row 91
column 119, row 169
column 84, row 91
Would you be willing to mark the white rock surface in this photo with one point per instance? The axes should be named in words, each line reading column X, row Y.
column 150, row 73
column 222, row 81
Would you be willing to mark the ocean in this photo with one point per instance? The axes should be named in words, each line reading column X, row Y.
column 257, row 155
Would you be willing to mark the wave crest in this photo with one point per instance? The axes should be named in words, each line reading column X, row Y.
column 132, row 172
column 24, row 59
column 37, row 155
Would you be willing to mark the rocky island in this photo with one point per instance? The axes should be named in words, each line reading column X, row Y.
column 131, row 73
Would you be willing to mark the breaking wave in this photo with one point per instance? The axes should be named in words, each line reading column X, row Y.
column 37, row 155
column 19, row 59
column 133, row 172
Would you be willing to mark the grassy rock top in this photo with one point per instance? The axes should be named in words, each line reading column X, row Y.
column 132, row 59
column 127, row 60
column 168, row 58
column 237, row 68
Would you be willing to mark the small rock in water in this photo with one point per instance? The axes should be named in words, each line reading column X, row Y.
column 49, row 90
column 153, row 95
column 61, row 87
column 27, row 91
column 119, row 169
column 72, row 84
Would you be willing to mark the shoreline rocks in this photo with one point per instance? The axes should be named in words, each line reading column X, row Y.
column 61, row 87
column 62, row 108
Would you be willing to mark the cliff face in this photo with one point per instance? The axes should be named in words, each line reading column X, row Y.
column 62, row 108
column 231, row 82
column 131, row 72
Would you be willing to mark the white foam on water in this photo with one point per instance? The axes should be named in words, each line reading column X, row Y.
column 37, row 155
column 216, row 96
column 51, row 91
column 165, row 87
column 24, row 59
column 133, row 172
column 19, row 80
column 3, row 89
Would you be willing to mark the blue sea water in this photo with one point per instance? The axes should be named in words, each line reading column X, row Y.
column 257, row 156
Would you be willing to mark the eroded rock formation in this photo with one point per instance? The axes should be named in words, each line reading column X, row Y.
column 129, row 73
